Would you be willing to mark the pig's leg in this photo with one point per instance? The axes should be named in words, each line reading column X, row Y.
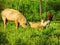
column 4, row 20
column 16, row 22
column 46, row 22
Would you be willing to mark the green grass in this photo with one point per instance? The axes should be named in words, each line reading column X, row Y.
column 29, row 36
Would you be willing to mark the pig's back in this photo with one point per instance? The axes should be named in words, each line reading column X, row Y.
column 11, row 14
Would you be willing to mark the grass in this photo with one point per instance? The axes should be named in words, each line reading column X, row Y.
column 29, row 36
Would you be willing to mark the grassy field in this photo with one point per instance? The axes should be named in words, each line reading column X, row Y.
column 31, row 10
column 29, row 36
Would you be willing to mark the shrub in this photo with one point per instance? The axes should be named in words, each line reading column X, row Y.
column 52, row 41
column 3, row 39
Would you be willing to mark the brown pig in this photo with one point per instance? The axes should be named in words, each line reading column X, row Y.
column 13, row 15
column 36, row 25
column 39, row 26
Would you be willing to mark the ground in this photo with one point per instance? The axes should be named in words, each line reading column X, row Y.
column 29, row 36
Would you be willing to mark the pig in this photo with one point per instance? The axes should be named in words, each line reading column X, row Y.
column 39, row 26
column 13, row 15
column 35, row 25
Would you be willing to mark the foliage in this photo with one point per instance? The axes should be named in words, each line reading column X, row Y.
column 43, row 16
column 31, row 8
column 28, row 8
column 29, row 36
column 3, row 39
column 53, row 5
column 52, row 39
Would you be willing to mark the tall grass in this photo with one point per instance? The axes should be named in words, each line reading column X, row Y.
column 30, row 36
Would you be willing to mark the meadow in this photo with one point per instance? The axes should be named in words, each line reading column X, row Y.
column 31, row 10
column 29, row 36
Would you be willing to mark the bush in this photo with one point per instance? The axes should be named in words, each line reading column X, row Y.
column 52, row 41
column 20, row 42
column 30, row 9
column 43, row 16
column 3, row 39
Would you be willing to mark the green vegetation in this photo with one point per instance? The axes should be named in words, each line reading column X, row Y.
column 31, row 10
column 29, row 36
